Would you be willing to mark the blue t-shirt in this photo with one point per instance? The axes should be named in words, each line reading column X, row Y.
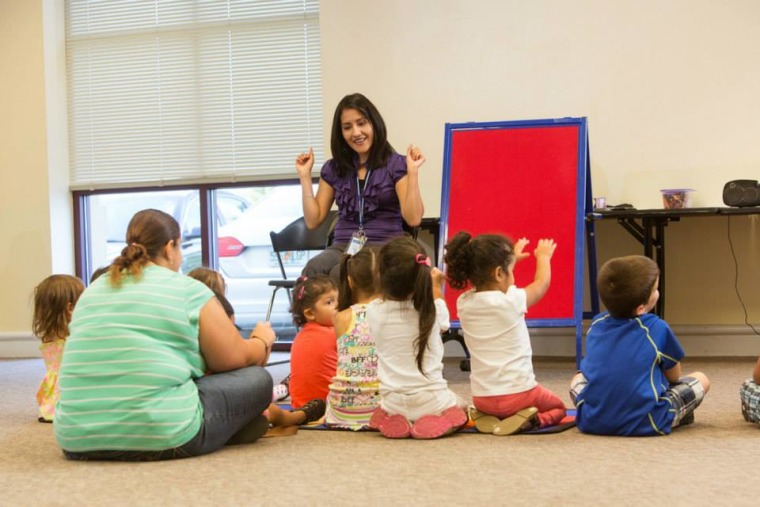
column 624, row 365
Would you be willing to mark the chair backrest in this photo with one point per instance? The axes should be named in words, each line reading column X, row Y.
column 296, row 236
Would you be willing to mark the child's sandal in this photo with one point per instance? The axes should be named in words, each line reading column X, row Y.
column 523, row 420
column 484, row 423
column 313, row 409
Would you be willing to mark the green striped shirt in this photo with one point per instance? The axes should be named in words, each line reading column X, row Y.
column 126, row 377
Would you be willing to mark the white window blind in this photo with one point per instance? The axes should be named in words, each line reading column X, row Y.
column 206, row 91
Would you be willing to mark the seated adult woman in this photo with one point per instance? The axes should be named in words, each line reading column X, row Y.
column 374, row 187
column 132, row 378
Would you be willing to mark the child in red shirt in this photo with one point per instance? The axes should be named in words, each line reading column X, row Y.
column 314, row 354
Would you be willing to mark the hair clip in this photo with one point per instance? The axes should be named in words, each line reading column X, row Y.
column 422, row 259
column 300, row 292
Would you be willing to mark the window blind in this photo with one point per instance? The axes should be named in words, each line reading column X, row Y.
column 207, row 91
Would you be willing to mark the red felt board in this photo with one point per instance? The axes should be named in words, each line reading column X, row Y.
column 521, row 182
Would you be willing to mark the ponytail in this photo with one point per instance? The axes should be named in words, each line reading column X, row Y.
column 424, row 303
column 147, row 233
column 473, row 260
column 345, row 297
column 458, row 260
column 405, row 275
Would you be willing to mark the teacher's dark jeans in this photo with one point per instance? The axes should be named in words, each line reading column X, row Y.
column 326, row 262
column 231, row 400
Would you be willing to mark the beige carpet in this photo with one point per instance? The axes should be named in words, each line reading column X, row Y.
column 712, row 462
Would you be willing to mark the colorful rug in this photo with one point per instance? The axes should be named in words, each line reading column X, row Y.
column 565, row 424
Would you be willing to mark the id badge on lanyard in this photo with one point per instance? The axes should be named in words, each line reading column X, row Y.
column 359, row 238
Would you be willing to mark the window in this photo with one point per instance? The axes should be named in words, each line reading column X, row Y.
column 165, row 92
column 180, row 104
column 244, row 217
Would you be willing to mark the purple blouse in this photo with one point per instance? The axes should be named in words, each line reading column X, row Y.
column 382, row 210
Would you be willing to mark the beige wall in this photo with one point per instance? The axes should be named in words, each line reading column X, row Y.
column 669, row 88
column 26, row 255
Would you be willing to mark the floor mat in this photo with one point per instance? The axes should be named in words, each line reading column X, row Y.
column 565, row 424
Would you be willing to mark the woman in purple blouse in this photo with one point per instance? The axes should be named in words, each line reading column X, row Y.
column 374, row 187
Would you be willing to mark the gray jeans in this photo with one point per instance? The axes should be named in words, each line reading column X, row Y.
column 231, row 400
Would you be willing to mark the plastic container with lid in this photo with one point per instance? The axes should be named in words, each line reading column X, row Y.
column 676, row 198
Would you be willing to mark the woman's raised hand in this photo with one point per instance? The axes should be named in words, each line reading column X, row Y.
column 414, row 158
column 305, row 163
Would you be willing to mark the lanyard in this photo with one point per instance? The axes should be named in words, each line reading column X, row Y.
column 360, row 197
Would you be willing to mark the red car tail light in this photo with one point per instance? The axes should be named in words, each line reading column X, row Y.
column 230, row 247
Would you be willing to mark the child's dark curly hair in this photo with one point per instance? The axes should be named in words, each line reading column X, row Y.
column 306, row 292
column 474, row 260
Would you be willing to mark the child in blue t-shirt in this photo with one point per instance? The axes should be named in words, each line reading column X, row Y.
column 630, row 380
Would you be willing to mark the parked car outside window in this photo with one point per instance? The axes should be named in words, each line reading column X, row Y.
column 110, row 215
column 248, row 262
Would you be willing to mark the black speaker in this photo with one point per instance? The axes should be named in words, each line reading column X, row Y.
column 741, row 193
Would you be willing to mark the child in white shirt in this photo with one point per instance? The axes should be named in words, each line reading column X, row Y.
column 505, row 393
column 407, row 323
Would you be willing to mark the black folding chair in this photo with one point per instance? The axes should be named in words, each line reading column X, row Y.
column 297, row 237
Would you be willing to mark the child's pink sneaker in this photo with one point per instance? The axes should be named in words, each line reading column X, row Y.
column 434, row 426
column 390, row 426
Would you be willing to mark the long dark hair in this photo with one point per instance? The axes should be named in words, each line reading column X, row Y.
column 361, row 268
column 402, row 277
column 342, row 154
column 147, row 233
column 474, row 259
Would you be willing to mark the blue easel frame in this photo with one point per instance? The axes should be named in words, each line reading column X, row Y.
column 584, row 230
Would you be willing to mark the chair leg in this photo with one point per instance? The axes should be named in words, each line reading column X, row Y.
column 456, row 335
column 271, row 303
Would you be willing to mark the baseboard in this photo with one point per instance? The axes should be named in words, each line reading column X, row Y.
column 19, row 345
column 697, row 341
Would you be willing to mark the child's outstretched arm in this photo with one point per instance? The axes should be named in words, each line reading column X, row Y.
column 442, row 312
column 543, row 277
column 438, row 280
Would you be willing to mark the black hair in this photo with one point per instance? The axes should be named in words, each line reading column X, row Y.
column 474, row 260
column 361, row 268
column 342, row 154
column 306, row 292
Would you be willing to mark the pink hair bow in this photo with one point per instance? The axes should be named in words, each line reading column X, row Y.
column 422, row 259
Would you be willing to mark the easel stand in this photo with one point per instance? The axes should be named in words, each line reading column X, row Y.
column 524, row 179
